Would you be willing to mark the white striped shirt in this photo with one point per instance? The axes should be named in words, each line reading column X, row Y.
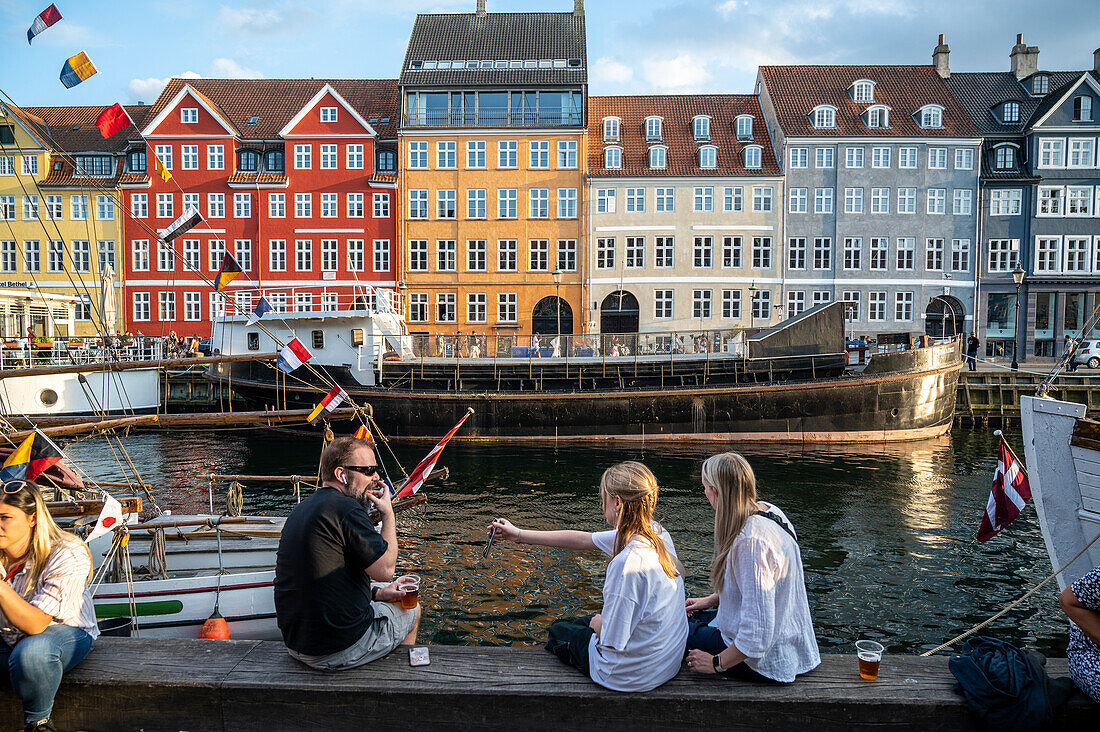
column 62, row 591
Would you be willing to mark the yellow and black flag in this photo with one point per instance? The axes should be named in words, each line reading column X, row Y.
column 229, row 271
column 32, row 458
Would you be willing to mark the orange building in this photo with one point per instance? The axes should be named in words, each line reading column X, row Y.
column 493, row 146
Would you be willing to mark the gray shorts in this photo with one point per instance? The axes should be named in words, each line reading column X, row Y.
column 391, row 625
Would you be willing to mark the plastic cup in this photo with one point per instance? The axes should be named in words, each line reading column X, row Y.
column 869, row 653
column 409, row 599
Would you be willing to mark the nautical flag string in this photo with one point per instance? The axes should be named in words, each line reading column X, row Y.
column 362, row 433
column 421, row 471
column 293, row 355
column 189, row 219
column 32, row 458
column 1010, row 493
column 113, row 120
column 263, row 307
column 42, row 21
column 229, row 271
column 332, row 400
column 77, row 69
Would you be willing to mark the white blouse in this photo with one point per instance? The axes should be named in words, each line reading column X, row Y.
column 763, row 608
column 62, row 591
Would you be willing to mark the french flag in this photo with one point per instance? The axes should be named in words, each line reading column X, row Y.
column 45, row 19
column 293, row 355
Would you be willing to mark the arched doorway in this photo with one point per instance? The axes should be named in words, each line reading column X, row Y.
column 550, row 314
column 943, row 318
column 619, row 313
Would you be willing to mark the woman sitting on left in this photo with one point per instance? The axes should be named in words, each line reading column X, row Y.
column 47, row 620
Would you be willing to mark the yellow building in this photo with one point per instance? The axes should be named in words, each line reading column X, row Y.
column 493, row 144
column 60, row 224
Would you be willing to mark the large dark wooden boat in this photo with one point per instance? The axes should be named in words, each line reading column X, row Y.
column 788, row 383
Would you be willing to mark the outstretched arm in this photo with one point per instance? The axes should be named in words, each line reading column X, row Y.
column 564, row 539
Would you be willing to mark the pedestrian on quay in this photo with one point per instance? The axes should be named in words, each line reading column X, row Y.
column 47, row 619
column 636, row 642
column 1081, row 604
column 331, row 615
column 972, row 345
column 756, row 625
column 1069, row 350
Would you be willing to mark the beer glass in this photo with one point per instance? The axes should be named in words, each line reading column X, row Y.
column 869, row 654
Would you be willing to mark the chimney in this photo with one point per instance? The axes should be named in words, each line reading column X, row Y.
column 1025, row 58
column 578, row 7
column 939, row 58
column 481, row 8
column 1096, row 60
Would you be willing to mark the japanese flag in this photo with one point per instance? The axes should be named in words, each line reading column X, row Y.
column 110, row 518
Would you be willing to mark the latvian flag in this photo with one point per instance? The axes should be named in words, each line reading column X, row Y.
column 293, row 355
column 1009, row 495
column 334, row 399
column 421, row 471
column 45, row 19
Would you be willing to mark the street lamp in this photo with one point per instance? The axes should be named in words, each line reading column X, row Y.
column 1018, row 278
column 752, row 304
column 557, row 304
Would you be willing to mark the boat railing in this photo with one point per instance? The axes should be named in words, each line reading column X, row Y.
column 21, row 353
column 361, row 297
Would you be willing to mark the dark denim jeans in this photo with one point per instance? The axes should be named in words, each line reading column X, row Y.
column 36, row 663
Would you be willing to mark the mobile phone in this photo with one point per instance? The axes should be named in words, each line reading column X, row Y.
column 419, row 657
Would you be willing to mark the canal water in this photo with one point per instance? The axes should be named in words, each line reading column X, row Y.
column 887, row 532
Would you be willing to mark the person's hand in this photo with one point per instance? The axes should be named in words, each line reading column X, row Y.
column 505, row 529
column 596, row 623
column 700, row 662
column 390, row 593
column 695, row 604
column 380, row 498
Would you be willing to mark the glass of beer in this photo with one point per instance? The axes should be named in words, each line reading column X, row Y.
column 412, row 592
column 869, row 653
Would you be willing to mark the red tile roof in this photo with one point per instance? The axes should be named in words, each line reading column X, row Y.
column 274, row 102
column 796, row 90
column 677, row 112
column 132, row 178
column 249, row 176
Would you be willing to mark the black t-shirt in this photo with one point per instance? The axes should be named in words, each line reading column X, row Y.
column 322, row 591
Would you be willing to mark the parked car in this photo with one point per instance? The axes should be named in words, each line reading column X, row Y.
column 1088, row 354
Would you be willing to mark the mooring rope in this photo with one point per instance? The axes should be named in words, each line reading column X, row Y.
column 1012, row 604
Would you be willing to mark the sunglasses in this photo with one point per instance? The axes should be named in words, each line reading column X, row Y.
column 367, row 470
column 14, row 486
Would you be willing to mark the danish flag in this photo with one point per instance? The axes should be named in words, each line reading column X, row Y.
column 1009, row 495
column 421, row 472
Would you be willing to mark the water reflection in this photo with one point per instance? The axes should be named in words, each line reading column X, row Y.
column 887, row 532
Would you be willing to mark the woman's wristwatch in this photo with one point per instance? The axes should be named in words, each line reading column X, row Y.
column 717, row 665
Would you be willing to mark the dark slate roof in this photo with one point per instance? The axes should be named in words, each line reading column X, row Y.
column 496, row 37
column 677, row 112
column 980, row 92
column 73, row 129
column 796, row 90
column 275, row 101
column 1020, row 174
column 1055, row 96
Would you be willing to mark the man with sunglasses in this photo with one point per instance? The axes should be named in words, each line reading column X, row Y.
column 332, row 616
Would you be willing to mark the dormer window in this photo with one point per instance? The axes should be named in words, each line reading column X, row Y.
column 1004, row 157
column 1010, row 112
column 743, row 124
column 248, row 160
column 1082, row 109
column 658, row 157
column 863, row 91
column 824, row 117
column 610, row 128
column 189, row 115
column 387, row 160
column 1040, row 84
column 274, row 161
column 708, row 156
column 328, row 114
column 613, row 157
column 753, row 156
column 135, row 161
column 700, row 127
column 878, row 117
column 931, row 116
column 653, row 129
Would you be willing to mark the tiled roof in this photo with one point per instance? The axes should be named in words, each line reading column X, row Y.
column 131, row 178
column 496, row 37
column 73, row 129
column 251, row 176
column 387, row 178
column 796, row 90
column 274, row 102
column 1063, row 81
column 1019, row 174
column 61, row 174
column 980, row 92
column 677, row 112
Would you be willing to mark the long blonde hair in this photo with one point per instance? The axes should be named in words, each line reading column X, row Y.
column 45, row 533
column 635, row 485
column 731, row 478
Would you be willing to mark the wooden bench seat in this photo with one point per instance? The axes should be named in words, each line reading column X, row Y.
column 131, row 684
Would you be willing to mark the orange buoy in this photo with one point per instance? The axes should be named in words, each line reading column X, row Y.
column 215, row 627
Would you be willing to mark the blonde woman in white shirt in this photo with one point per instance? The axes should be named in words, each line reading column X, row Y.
column 756, row 626
column 47, row 620
column 637, row 642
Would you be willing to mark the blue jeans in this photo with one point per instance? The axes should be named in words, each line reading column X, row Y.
column 36, row 663
column 705, row 637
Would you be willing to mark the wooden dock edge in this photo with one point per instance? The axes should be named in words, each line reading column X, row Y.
column 139, row 684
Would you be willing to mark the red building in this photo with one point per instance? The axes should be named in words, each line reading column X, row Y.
column 297, row 178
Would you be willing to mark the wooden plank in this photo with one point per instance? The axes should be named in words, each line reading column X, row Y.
column 1087, row 429
column 70, row 509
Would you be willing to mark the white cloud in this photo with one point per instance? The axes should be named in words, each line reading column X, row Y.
column 609, row 70
column 680, row 73
column 147, row 90
column 252, row 20
column 229, row 69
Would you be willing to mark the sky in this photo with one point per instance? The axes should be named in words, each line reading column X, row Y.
column 634, row 46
